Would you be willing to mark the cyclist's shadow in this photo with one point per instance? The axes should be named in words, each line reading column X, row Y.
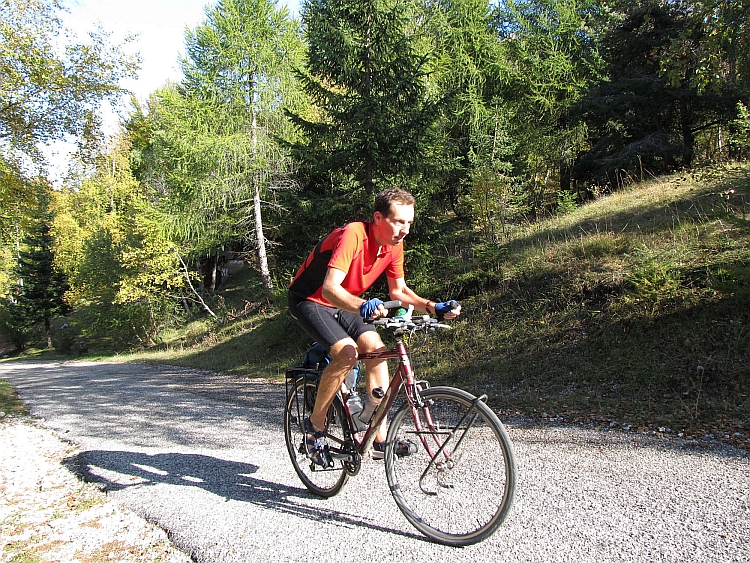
column 119, row 470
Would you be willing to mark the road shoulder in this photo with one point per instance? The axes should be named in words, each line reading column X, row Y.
column 47, row 513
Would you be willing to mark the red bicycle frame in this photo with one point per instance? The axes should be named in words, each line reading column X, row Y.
column 404, row 374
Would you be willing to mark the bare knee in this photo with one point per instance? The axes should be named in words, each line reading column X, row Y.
column 344, row 353
column 370, row 342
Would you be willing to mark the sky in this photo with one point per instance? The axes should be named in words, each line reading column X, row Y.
column 160, row 28
column 159, row 24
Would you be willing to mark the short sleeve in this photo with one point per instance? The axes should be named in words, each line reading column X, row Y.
column 349, row 245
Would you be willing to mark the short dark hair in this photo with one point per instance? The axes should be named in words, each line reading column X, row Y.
column 385, row 198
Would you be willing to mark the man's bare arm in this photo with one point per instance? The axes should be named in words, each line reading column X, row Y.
column 341, row 298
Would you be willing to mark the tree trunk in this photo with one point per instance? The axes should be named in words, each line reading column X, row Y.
column 688, row 138
column 209, row 272
column 564, row 177
column 48, row 332
column 265, row 273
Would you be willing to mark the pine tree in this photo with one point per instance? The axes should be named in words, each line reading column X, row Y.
column 41, row 285
column 366, row 71
column 643, row 119
column 469, row 67
column 214, row 138
column 553, row 60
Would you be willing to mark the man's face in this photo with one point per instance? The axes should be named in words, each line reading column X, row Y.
column 393, row 228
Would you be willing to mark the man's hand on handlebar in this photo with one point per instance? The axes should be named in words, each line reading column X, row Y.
column 372, row 309
column 376, row 309
column 448, row 309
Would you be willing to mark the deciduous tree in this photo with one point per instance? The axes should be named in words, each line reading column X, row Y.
column 50, row 88
column 110, row 245
column 214, row 135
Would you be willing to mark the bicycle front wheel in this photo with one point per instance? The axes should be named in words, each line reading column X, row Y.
column 458, row 487
column 324, row 482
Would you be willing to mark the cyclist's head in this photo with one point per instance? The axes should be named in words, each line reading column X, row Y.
column 387, row 197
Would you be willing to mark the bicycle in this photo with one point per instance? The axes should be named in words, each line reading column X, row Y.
column 458, row 488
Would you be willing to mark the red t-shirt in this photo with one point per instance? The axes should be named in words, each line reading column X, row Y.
column 351, row 249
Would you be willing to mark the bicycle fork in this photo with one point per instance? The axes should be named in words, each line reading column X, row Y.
column 456, row 435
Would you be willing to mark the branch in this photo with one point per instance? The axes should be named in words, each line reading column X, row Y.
column 187, row 277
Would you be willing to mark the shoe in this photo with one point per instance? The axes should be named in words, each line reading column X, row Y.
column 316, row 446
column 403, row 448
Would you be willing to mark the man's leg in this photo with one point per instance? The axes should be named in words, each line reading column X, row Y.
column 378, row 376
column 343, row 358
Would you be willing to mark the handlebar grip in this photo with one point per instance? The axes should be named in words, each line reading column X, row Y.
column 395, row 304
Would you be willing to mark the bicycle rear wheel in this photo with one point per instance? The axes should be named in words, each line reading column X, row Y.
column 458, row 487
column 324, row 482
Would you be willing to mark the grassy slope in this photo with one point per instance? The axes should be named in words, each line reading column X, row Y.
column 633, row 310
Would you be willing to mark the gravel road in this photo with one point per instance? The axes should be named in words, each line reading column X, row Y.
column 202, row 456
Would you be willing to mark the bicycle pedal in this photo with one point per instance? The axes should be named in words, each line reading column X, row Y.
column 328, row 463
column 327, row 458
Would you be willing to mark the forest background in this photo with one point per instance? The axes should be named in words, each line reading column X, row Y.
column 579, row 168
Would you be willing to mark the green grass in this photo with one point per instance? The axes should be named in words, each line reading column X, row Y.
column 634, row 309
column 10, row 403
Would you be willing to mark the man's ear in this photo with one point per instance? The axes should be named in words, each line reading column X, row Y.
column 377, row 217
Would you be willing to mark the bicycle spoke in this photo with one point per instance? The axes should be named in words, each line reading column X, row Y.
column 325, row 482
column 459, row 490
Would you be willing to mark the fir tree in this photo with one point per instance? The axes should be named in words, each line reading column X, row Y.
column 41, row 286
column 367, row 73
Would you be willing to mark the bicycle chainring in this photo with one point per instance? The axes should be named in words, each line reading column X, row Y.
column 352, row 466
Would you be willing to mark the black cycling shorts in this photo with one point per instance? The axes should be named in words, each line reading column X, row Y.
column 327, row 325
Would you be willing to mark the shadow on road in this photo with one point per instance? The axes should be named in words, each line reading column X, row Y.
column 119, row 470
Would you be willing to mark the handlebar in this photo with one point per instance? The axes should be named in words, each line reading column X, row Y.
column 408, row 322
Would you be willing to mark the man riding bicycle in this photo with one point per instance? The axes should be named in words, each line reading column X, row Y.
column 324, row 298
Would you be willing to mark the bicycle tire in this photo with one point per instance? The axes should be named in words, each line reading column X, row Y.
column 324, row 482
column 466, row 496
